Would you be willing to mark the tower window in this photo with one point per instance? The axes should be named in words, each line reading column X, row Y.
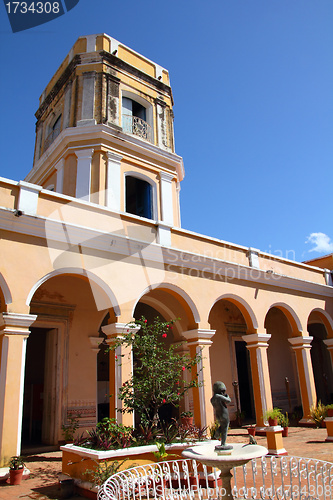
column 139, row 197
column 134, row 119
column 54, row 131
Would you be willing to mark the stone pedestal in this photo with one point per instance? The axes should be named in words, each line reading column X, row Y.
column 275, row 441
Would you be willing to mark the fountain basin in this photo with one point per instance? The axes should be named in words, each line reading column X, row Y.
column 240, row 454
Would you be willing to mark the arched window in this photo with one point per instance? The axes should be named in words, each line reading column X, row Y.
column 139, row 197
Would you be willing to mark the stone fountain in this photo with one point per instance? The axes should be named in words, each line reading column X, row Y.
column 223, row 456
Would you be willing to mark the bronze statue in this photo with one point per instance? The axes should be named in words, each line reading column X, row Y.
column 219, row 402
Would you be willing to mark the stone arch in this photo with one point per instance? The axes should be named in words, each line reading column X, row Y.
column 106, row 300
column 320, row 328
column 185, row 300
column 70, row 304
column 232, row 318
column 292, row 317
column 5, row 293
column 325, row 318
column 244, row 307
column 282, row 323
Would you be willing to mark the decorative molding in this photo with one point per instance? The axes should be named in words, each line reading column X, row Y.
column 256, row 340
column 114, row 330
column 95, row 343
column 171, row 257
column 103, row 134
column 14, row 323
column 199, row 336
column 301, row 342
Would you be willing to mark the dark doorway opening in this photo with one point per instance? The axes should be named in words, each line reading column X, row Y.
column 33, row 399
column 321, row 363
column 244, row 379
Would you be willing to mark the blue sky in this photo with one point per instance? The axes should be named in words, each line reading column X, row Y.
column 253, row 87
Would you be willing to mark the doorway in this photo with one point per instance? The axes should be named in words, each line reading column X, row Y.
column 40, row 384
column 244, row 379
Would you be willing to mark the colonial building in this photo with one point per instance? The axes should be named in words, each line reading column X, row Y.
column 92, row 239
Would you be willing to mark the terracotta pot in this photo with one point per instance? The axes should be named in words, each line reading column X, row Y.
column 15, row 476
column 272, row 421
column 251, row 431
column 285, row 432
column 187, row 421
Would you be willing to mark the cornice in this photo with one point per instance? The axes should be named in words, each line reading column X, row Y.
column 171, row 258
column 103, row 134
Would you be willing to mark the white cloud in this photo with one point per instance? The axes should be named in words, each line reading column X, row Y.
column 322, row 243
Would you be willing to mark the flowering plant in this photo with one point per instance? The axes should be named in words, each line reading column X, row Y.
column 158, row 370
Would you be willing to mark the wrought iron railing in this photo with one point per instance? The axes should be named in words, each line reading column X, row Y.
column 271, row 478
column 137, row 126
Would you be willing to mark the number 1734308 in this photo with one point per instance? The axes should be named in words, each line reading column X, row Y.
column 33, row 7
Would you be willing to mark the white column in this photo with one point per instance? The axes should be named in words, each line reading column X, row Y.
column 83, row 173
column 14, row 329
column 113, row 181
column 60, row 175
column 257, row 344
column 121, row 369
column 199, row 342
column 166, row 198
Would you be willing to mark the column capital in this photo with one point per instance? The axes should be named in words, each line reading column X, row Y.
column 84, row 153
column 166, row 176
column 301, row 342
column 116, row 330
column 256, row 340
column 60, row 164
column 15, row 323
column 199, row 336
column 329, row 343
column 95, row 343
column 112, row 156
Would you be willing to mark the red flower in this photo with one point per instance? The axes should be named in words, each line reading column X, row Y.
column 116, row 357
column 177, row 382
column 178, row 393
column 164, row 335
column 171, row 328
column 145, row 321
column 183, row 368
column 164, row 401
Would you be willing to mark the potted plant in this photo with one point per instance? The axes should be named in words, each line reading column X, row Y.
column 329, row 411
column 273, row 416
column 16, row 468
column 318, row 414
column 283, row 420
column 186, row 418
column 251, row 430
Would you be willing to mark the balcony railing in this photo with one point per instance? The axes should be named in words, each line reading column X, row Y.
column 268, row 478
column 137, row 126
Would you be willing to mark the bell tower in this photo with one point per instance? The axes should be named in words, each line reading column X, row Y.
column 104, row 132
